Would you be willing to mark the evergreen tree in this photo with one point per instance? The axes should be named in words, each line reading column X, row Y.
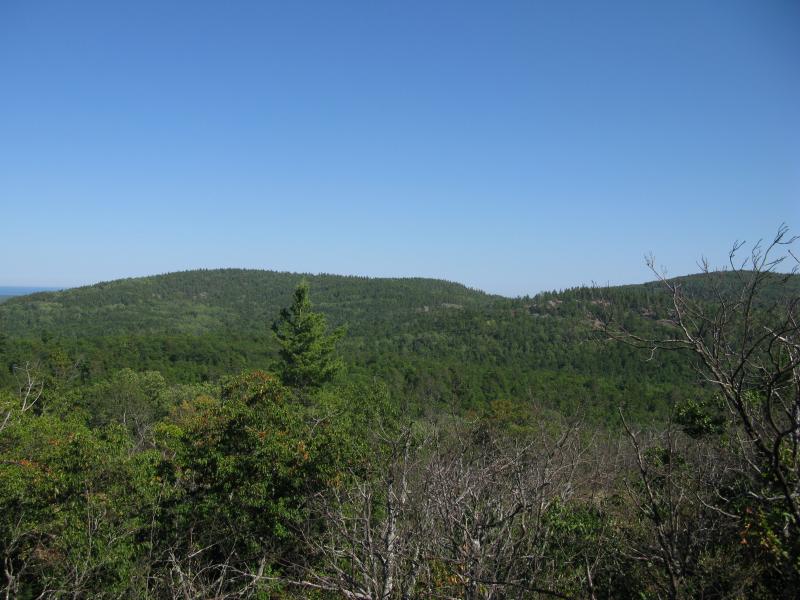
column 306, row 349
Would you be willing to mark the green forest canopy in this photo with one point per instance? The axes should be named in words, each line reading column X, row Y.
column 436, row 344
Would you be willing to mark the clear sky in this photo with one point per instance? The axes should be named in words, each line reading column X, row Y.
column 512, row 146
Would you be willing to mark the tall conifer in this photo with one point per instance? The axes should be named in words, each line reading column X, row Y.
column 307, row 350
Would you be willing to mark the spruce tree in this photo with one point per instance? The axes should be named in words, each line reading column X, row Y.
column 307, row 350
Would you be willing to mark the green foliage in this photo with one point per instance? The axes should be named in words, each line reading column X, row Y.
column 92, row 508
column 74, row 505
column 135, row 400
column 306, row 348
column 699, row 418
column 245, row 464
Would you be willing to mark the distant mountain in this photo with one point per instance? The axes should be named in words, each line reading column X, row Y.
column 437, row 344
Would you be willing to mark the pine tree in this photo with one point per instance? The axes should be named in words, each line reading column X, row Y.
column 306, row 349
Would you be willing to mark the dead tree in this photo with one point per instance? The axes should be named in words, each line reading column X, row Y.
column 370, row 536
column 445, row 515
column 742, row 326
column 29, row 391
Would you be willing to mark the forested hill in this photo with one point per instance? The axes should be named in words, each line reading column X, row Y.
column 229, row 300
column 436, row 344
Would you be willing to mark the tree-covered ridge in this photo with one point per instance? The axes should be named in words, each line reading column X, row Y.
column 224, row 299
column 436, row 344
column 240, row 300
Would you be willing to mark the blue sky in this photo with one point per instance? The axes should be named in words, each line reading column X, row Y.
column 512, row 146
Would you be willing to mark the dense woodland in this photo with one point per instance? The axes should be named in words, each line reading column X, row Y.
column 438, row 346
column 214, row 434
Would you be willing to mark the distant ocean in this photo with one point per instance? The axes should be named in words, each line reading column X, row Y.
column 21, row 291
